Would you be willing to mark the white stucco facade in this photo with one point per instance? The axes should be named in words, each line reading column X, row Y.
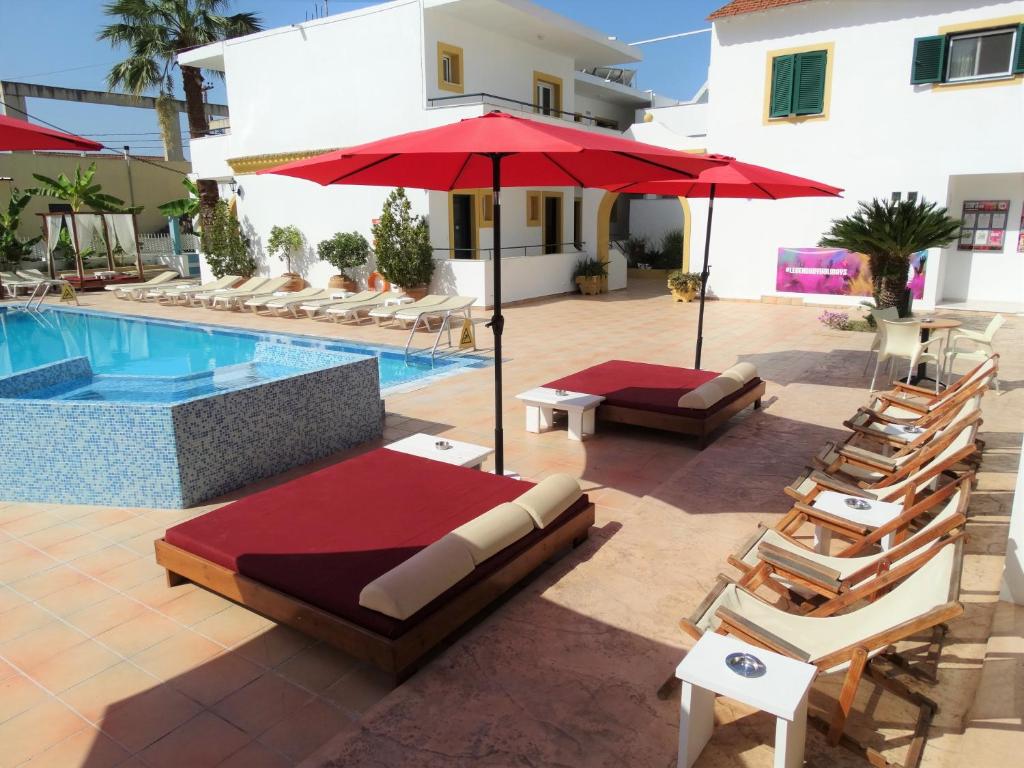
column 879, row 135
column 367, row 74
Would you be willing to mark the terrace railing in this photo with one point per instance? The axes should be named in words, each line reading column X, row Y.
column 508, row 251
column 518, row 105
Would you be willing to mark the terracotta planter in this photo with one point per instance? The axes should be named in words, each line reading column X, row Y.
column 417, row 292
column 342, row 283
column 589, row 286
column 297, row 283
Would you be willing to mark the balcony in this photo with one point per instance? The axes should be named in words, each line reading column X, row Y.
column 507, row 104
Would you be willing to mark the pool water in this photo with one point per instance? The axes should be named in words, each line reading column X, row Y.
column 143, row 360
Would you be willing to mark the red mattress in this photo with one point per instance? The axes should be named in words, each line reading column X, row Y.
column 323, row 537
column 645, row 387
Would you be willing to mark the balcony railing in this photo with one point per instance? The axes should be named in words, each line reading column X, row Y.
column 507, row 251
column 507, row 102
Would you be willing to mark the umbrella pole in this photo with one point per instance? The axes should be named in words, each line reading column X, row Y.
column 704, row 278
column 497, row 323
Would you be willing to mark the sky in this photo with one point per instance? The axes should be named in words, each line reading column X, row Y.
column 53, row 42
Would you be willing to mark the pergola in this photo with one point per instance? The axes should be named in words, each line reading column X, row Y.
column 123, row 226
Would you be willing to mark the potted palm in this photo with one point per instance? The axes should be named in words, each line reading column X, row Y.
column 402, row 246
column 684, row 285
column 889, row 233
column 588, row 274
column 344, row 251
column 283, row 242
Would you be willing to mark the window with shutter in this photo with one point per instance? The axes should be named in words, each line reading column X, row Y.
column 782, row 86
column 1018, row 53
column 929, row 57
column 809, row 78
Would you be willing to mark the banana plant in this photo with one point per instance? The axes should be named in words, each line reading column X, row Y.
column 80, row 192
column 185, row 206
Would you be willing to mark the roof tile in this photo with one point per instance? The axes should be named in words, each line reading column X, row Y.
column 740, row 7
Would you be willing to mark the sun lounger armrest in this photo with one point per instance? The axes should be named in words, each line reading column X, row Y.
column 720, row 584
column 838, row 524
column 747, row 630
column 917, row 404
column 790, row 563
column 830, row 483
column 873, row 461
column 902, row 386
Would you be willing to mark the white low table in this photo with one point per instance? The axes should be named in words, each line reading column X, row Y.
column 878, row 514
column 542, row 402
column 460, row 454
column 780, row 691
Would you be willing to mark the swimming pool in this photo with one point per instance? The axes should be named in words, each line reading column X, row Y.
column 137, row 359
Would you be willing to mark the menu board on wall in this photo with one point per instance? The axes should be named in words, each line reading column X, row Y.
column 983, row 225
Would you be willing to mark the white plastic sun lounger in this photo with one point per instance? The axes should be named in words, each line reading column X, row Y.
column 129, row 290
column 314, row 307
column 453, row 305
column 388, row 312
column 32, row 274
column 236, row 298
column 350, row 310
column 281, row 299
column 249, row 286
column 13, row 282
column 174, row 292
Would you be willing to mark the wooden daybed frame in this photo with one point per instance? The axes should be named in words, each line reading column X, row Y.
column 701, row 428
column 398, row 656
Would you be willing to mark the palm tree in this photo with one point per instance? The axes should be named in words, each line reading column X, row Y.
column 889, row 233
column 155, row 31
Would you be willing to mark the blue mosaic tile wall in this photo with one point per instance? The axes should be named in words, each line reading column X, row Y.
column 168, row 456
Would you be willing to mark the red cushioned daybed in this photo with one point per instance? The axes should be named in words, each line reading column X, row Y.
column 302, row 552
column 649, row 395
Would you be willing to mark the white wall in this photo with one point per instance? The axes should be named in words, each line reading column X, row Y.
column 985, row 275
column 1013, row 571
column 882, row 133
column 653, row 218
column 522, row 277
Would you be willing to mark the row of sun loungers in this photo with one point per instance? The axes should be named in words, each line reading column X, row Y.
column 840, row 607
column 24, row 280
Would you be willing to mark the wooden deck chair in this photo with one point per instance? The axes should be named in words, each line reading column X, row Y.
column 872, row 463
column 848, row 642
column 820, row 585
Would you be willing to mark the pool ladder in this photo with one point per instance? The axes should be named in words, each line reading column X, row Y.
column 446, row 325
column 40, row 292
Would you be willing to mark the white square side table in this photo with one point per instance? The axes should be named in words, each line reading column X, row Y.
column 460, row 454
column 542, row 402
column 780, row 691
column 878, row 514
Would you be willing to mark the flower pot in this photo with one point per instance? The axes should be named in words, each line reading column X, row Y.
column 686, row 295
column 416, row 292
column 296, row 283
column 342, row 283
column 589, row 286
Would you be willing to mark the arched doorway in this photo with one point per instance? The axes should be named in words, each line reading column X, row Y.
column 604, row 213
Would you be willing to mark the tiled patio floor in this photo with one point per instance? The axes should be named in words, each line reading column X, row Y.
column 101, row 664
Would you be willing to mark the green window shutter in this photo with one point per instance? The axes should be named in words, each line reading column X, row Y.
column 809, row 98
column 929, row 56
column 781, row 101
column 1018, row 52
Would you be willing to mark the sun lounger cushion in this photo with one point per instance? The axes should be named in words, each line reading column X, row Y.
column 323, row 537
column 495, row 529
column 719, row 388
column 415, row 582
column 648, row 387
column 545, row 501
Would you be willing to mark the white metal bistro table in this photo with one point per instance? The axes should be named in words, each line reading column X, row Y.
column 877, row 514
column 781, row 690
column 542, row 402
column 458, row 453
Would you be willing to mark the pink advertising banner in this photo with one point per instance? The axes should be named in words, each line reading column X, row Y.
column 837, row 272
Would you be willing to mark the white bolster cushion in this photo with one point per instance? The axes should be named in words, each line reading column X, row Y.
column 409, row 586
column 488, row 534
column 549, row 498
column 741, row 372
column 708, row 393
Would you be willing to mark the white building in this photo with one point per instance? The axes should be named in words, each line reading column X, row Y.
column 908, row 97
column 407, row 65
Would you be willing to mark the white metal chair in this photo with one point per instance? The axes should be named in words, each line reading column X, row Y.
column 903, row 339
column 971, row 345
column 878, row 315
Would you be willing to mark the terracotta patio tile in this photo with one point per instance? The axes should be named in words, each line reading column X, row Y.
column 104, row 615
column 102, row 691
column 216, row 678
column 194, row 606
column 133, row 573
column 139, row 632
column 317, row 667
column 230, row 627
column 203, row 742
column 176, row 654
column 36, row 646
column 88, row 748
column 306, row 730
column 273, row 646
column 72, row 666
column 143, row 543
column 55, row 534
column 262, row 703
column 360, row 689
column 102, row 560
column 80, row 546
column 138, row 721
column 18, row 694
column 255, row 755
column 103, row 518
column 35, row 730
column 155, row 593
column 76, row 597
column 30, row 523
column 46, row 582
column 22, row 619
column 9, row 599
column 27, row 563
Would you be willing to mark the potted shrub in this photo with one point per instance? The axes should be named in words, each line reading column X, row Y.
column 283, row 242
column 344, row 251
column 588, row 274
column 684, row 285
column 402, row 246
column 225, row 247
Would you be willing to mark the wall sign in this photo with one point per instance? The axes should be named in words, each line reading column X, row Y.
column 983, row 226
column 837, row 272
